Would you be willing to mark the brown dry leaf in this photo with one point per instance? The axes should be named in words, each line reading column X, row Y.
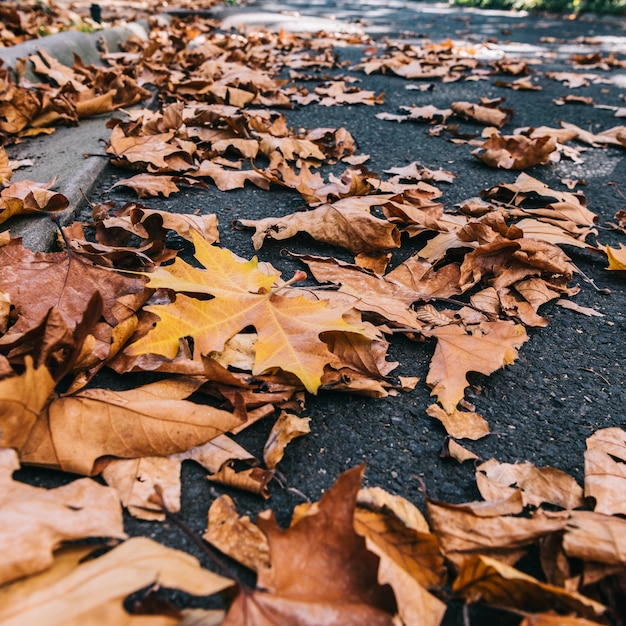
column 485, row 578
column 354, row 229
column 151, row 151
column 34, row 521
column 286, row 428
column 453, row 450
column 338, row 93
column 488, row 347
column 595, row 537
column 487, row 115
column 320, row 570
column 460, row 424
column 388, row 297
column 150, row 185
column 92, row 593
column 137, row 480
column 37, row 281
column 416, row 171
column 255, row 480
column 583, row 310
column 617, row 257
column 151, row 420
column 605, row 470
column 538, row 484
column 488, row 528
column 236, row 536
column 21, row 400
column 288, row 323
column 26, row 197
column 515, row 152
column 6, row 170
column 228, row 179
column 151, row 224
column 387, row 524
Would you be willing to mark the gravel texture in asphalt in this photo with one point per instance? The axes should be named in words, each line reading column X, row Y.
column 569, row 379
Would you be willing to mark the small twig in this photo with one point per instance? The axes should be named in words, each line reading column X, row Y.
column 612, row 184
column 603, row 290
column 588, row 369
column 158, row 499
column 466, row 617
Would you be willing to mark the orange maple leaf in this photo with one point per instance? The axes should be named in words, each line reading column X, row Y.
column 288, row 323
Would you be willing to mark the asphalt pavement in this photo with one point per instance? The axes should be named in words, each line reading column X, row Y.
column 569, row 379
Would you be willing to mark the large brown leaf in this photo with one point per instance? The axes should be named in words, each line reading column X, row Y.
column 321, row 571
column 354, row 229
column 151, row 420
column 35, row 521
column 486, row 348
column 37, row 281
column 27, row 197
column 605, row 470
column 537, row 484
column 288, row 323
column 21, row 400
column 496, row 583
column 488, row 528
column 92, row 592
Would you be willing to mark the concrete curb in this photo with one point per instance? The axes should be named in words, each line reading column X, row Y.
column 67, row 145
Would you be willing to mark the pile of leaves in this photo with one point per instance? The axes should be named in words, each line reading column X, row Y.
column 233, row 342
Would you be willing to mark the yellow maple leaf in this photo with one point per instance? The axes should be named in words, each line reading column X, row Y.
column 288, row 323
column 617, row 257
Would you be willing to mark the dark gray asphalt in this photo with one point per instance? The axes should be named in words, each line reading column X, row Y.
column 569, row 379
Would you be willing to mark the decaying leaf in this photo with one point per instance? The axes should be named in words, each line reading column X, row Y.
column 320, row 567
column 490, row 346
column 286, row 428
column 81, row 593
column 485, row 578
column 237, row 536
column 460, row 424
column 515, row 152
column 35, row 521
column 537, row 484
column 354, row 229
column 605, row 470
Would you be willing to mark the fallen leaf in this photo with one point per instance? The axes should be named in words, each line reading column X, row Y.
column 490, row 346
column 236, row 536
column 583, row 310
column 137, row 480
column 288, row 324
column 452, row 449
column 151, row 420
column 592, row 536
column 355, row 230
column 605, row 470
column 515, row 152
column 38, row 281
column 460, row 424
column 26, row 197
column 488, row 528
column 617, row 257
column 35, row 521
column 286, row 428
column 79, row 592
column 319, row 567
column 485, row 578
column 22, row 399
column 537, row 484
